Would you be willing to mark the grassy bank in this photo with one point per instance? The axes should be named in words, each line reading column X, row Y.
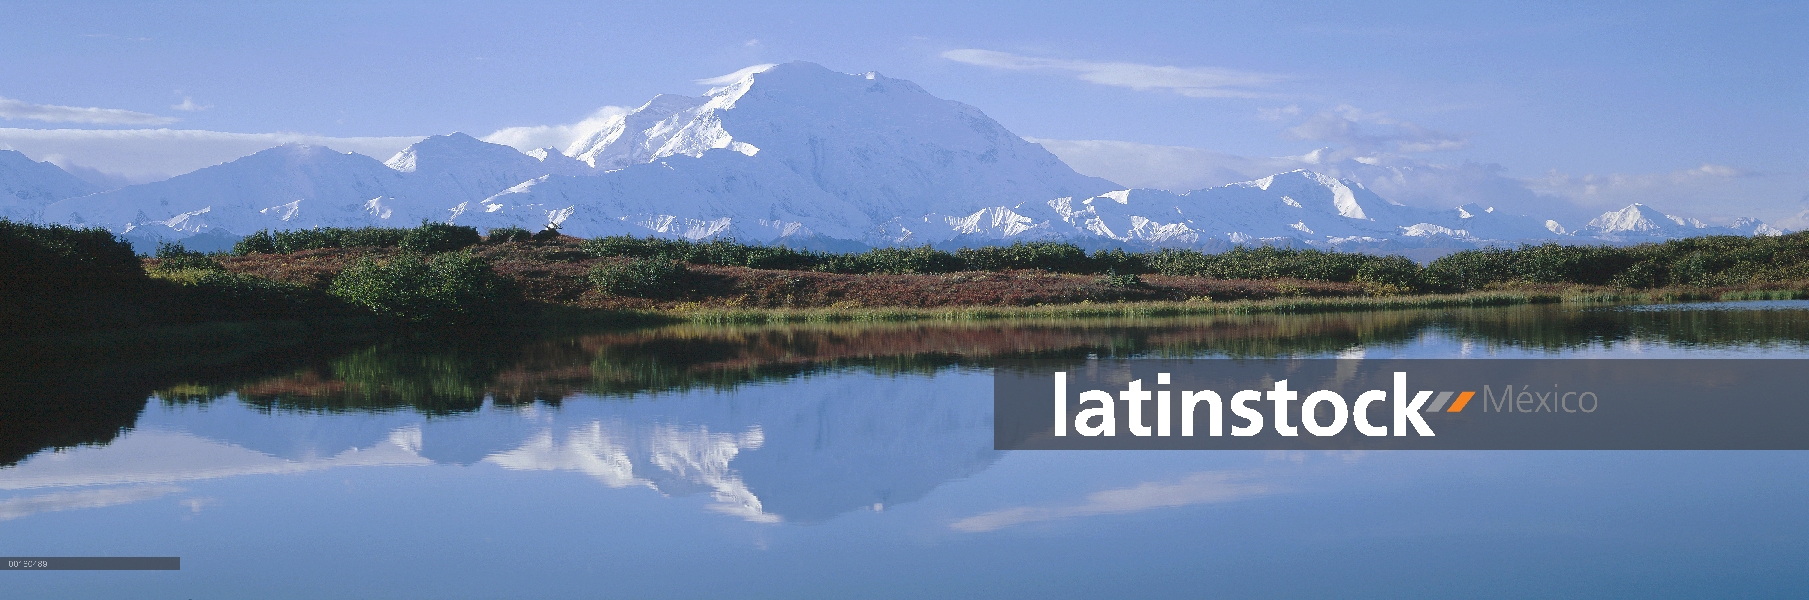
column 1089, row 310
column 1289, row 305
column 440, row 276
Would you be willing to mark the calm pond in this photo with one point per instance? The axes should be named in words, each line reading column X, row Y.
column 842, row 461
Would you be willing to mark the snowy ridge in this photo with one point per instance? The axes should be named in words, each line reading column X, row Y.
column 27, row 186
column 1638, row 221
column 794, row 154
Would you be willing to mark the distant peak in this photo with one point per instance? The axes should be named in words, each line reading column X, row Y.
column 798, row 66
column 456, row 137
column 438, row 146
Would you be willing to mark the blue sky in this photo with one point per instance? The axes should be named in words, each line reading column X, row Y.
column 1696, row 108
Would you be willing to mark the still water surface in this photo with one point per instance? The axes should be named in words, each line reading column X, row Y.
column 844, row 461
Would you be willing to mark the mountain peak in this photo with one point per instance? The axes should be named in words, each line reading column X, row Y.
column 27, row 186
column 1301, row 185
column 443, row 151
column 1640, row 219
column 886, row 145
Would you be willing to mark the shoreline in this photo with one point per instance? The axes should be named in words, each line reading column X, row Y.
column 1147, row 309
column 327, row 328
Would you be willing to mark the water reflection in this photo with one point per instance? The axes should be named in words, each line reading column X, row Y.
column 794, row 423
column 1195, row 488
column 14, row 508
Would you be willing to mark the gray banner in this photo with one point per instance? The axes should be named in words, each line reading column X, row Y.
column 1409, row 404
column 91, row 563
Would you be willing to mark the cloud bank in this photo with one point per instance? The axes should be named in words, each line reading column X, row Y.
column 1197, row 82
column 1172, row 168
column 558, row 137
column 736, row 76
column 1368, row 132
column 1711, row 192
column 51, row 113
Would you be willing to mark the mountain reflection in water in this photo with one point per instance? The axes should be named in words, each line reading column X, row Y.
column 795, row 423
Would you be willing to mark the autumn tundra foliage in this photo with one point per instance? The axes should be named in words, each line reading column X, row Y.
column 439, row 274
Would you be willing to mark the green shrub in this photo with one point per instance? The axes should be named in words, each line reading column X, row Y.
column 1047, row 256
column 1116, row 280
column 1117, row 260
column 59, row 255
column 725, row 252
column 257, row 243
column 639, row 277
column 433, row 238
column 297, row 240
column 507, row 234
column 448, row 288
column 1395, row 272
column 627, row 246
column 172, row 256
column 1268, row 262
column 234, row 295
column 56, row 277
column 922, row 260
column 375, row 237
column 1546, row 263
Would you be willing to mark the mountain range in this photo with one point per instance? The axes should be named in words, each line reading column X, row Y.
column 796, row 154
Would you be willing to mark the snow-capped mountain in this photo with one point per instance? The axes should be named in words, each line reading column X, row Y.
column 798, row 152
column 27, row 186
column 298, row 187
column 470, row 169
column 801, row 155
column 1638, row 222
column 284, row 187
column 1297, row 207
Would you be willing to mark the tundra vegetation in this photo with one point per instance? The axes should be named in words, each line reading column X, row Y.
column 63, row 278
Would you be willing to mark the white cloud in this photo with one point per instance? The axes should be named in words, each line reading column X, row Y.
column 1198, row 82
column 1399, row 178
column 1429, row 185
column 1710, row 170
column 188, row 105
column 1592, row 185
column 736, row 76
column 141, row 155
column 555, row 136
column 1370, row 132
column 115, row 37
column 51, row 113
column 1277, row 113
column 1197, row 488
column 1712, row 192
column 1709, row 191
column 1172, row 168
